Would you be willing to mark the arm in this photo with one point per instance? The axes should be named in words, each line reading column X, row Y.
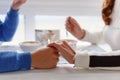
column 43, row 58
column 75, row 29
column 13, row 61
column 87, row 59
column 99, row 59
column 8, row 27
column 105, row 61
column 95, row 37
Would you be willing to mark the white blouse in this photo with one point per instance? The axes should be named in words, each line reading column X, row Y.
column 110, row 34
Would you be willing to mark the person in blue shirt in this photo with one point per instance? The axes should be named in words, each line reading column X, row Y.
column 13, row 61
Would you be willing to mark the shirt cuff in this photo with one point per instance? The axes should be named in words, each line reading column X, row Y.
column 25, row 61
column 86, row 37
column 82, row 60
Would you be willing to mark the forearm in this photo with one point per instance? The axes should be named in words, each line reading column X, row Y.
column 13, row 61
column 9, row 25
column 92, row 37
column 105, row 59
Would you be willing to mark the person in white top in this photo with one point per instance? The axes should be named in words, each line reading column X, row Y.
column 110, row 34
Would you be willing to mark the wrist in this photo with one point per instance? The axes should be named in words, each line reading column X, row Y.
column 24, row 60
column 15, row 8
column 82, row 34
column 32, row 59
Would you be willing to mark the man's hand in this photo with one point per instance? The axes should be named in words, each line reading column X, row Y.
column 17, row 3
column 44, row 58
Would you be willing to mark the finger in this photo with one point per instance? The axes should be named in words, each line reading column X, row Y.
column 66, row 50
column 57, row 59
column 68, row 21
column 57, row 54
column 68, row 27
column 63, row 48
column 53, row 46
column 68, row 18
column 66, row 53
column 50, row 45
column 65, row 43
column 73, row 22
column 60, row 48
column 69, row 58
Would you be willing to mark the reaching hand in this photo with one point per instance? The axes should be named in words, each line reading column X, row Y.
column 74, row 28
column 44, row 58
column 17, row 3
column 66, row 51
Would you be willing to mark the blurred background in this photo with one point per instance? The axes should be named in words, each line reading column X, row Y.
column 51, row 14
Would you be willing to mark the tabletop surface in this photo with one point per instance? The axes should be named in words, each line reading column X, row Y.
column 62, row 72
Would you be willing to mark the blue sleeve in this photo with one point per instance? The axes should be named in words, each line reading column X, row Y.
column 13, row 61
column 8, row 27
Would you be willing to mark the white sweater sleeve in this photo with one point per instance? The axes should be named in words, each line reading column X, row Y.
column 93, row 37
column 82, row 59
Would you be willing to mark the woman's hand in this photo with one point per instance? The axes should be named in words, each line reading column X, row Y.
column 66, row 51
column 17, row 3
column 74, row 28
column 44, row 58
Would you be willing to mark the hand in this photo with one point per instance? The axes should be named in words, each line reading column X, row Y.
column 74, row 28
column 44, row 58
column 66, row 51
column 17, row 3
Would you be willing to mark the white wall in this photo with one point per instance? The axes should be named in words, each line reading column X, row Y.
column 57, row 7
column 53, row 7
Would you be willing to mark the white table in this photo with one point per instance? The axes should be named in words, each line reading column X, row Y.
column 62, row 72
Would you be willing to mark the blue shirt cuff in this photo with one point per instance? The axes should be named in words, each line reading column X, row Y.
column 25, row 61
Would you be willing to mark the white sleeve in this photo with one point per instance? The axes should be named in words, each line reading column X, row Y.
column 93, row 37
column 82, row 59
